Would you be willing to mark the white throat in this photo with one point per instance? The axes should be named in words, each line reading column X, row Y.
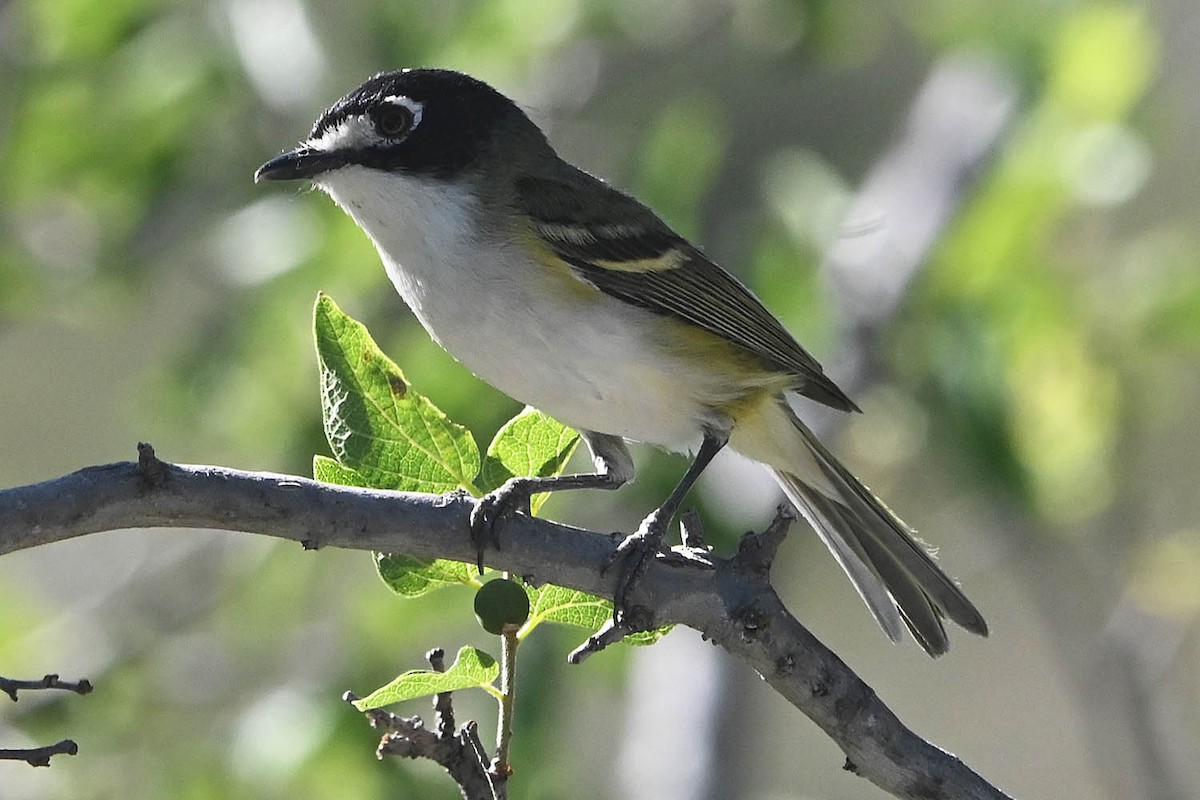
column 424, row 232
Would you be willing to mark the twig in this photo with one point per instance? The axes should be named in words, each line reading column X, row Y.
column 611, row 632
column 40, row 756
column 460, row 754
column 443, row 706
column 730, row 604
column 10, row 686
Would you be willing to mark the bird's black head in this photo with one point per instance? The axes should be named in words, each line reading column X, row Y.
column 429, row 122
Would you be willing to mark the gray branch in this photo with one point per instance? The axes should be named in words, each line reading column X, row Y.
column 730, row 601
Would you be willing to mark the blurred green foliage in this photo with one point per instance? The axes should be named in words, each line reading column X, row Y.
column 149, row 289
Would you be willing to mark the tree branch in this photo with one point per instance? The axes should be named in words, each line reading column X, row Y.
column 730, row 601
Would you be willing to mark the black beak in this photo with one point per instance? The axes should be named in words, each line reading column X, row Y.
column 303, row 162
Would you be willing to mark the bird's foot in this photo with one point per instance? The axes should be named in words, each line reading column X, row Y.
column 635, row 552
column 492, row 510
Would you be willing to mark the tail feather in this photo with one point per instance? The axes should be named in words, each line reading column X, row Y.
column 922, row 616
column 892, row 570
column 847, row 551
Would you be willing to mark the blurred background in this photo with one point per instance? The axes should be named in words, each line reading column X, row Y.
column 981, row 216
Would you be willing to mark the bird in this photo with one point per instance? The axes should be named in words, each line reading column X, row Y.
column 574, row 297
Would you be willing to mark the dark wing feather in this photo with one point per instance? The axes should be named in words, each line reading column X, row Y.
column 633, row 255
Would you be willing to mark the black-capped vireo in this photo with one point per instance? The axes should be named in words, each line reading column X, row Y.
column 577, row 299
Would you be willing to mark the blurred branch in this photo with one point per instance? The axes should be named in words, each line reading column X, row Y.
column 913, row 191
column 730, row 601
column 908, row 199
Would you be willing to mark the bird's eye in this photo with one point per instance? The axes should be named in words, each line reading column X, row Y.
column 392, row 121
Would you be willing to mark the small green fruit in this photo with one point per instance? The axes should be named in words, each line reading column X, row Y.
column 501, row 602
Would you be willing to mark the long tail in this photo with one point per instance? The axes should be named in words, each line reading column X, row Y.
column 893, row 571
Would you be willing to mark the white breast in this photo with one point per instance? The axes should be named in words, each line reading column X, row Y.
column 583, row 358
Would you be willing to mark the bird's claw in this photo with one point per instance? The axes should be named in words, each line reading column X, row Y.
column 635, row 552
column 492, row 510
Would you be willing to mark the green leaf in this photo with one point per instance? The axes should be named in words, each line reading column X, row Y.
column 412, row 577
column 407, row 576
column 471, row 669
column 642, row 638
column 530, row 444
column 556, row 604
column 326, row 470
column 376, row 423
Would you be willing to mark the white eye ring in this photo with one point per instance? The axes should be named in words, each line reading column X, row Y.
column 413, row 108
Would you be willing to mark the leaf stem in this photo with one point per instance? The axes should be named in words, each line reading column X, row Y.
column 508, row 668
column 493, row 691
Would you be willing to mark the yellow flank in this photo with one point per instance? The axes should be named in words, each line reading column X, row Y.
column 739, row 378
column 556, row 268
column 668, row 260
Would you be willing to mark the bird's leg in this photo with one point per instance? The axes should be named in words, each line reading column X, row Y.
column 639, row 547
column 614, row 468
column 497, row 506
